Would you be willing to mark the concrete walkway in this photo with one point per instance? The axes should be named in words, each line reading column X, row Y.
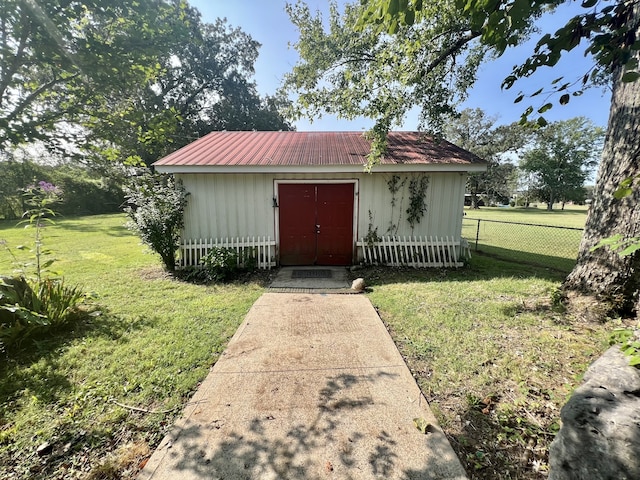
column 311, row 386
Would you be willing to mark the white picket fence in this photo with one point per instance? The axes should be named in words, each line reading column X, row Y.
column 262, row 249
column 415, row 251
column 394, row 251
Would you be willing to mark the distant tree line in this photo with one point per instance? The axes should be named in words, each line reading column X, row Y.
column 85, row 192
column 528, row 163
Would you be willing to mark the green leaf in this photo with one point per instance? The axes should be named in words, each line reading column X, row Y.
column 629, row 77
column 589, row 3
column 542, row 122
column 622, row 192
column 624, row 189
column 564, row 99
column 508, row 82
column 422, row 425
column 519, row 98
column 620, row 335
column 394, row 6
column 409, row 17
column 635, row 360
column 634, row 247
column 545, row 107
column 611, row 241
column 519, row 10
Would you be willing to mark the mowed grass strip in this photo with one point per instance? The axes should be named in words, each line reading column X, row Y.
column 492, row 356
column 572, row 216
column 533, row 235
column 150, row 343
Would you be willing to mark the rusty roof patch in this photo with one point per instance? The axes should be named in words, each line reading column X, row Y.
column 313, row 149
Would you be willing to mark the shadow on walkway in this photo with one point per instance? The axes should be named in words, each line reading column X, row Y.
column 310, row 387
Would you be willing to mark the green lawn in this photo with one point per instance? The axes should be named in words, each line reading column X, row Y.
column 500, row 232
column 152, row 342
column 571, row 216
column 484, row 343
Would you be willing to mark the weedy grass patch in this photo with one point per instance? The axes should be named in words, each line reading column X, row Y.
column 148, row 342
column 494, row 357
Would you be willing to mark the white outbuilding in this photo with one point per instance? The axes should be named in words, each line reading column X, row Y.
column 304, row 198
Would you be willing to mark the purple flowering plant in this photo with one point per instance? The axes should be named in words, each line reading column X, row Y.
column 42, row 194
column 47, row 187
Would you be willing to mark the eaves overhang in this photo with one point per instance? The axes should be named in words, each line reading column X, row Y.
column 324, row 169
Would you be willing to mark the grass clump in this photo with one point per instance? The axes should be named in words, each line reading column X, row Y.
column 31, row 309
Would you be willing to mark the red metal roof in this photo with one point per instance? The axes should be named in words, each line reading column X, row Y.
column 313, row 149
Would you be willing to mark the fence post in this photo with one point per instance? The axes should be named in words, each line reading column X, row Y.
column 477, row 234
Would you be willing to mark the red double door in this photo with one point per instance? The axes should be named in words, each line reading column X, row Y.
column 316, row 223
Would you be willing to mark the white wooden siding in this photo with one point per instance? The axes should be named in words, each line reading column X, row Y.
column 239, row 205
column 444, row 201
column 228, row 205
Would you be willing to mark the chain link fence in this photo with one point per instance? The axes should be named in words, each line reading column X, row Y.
column 544, row 245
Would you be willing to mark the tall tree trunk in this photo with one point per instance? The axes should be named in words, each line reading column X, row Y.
column 474, row 198
column 603, row 273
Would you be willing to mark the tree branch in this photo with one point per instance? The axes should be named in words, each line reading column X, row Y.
column 452, row 50
column 35, row 94
column 9, row 72
column 143, row 410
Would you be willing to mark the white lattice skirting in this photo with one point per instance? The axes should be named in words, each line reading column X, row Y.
column 421, row 252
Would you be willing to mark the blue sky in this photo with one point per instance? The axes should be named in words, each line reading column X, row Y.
column 267, row 22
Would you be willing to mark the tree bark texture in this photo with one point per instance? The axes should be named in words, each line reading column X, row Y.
column 603, row 273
